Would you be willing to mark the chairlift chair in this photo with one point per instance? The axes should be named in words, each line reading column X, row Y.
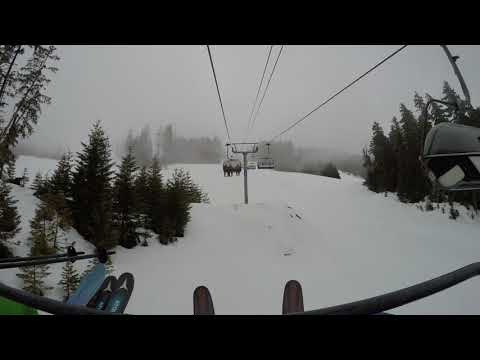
column 451, row 156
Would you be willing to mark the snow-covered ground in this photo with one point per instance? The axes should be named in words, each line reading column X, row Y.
column 341, row 241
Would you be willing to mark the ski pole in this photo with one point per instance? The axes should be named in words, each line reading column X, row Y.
column 20, row 259
column 50, row 261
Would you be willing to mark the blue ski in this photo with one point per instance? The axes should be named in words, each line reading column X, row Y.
column 88, row 286
column 120, row 296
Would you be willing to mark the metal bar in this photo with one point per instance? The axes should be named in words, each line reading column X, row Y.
column 49, row 261
column 400, row 297
column 17, row 259
column 452, row 154
column 48, row 305
column 245, row 180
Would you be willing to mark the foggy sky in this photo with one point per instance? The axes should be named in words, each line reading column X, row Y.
column 131, row 86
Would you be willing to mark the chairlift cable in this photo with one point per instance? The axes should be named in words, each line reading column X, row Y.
column 266, row 88
column 338, row 93
column 258, row 91
column 218, row 92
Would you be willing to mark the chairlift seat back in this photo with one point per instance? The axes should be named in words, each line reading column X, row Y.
column 451, row 156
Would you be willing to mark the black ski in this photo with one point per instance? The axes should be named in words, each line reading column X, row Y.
column 101, row 297
column 202, row 302
column 121, row 294
column 292, row 298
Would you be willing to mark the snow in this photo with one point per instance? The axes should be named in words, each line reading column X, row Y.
column 341, row 241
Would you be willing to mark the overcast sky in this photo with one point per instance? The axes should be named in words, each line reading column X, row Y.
column 130, row 86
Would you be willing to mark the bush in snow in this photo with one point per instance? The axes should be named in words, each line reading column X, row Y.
column 454, row 214
column 331, row 171
column 428, row 205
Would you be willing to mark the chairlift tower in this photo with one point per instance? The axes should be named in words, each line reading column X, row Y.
column 249, row 148
column 227, row 145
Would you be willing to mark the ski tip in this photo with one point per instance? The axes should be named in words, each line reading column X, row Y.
column 292, row 298
column 202, row 301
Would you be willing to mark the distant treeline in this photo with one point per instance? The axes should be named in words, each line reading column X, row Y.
column 289, row 157
column 170, row 148
column 29, row 148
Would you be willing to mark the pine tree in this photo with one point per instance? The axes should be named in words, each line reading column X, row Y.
column 125, row 202
column 167, row 144
column 396, row 141
column 178, row 204
column 378, row 150
column 61, row 180
column 34, row 278
column 91, row 190
column 411, row 186
column 143, row 196
column 61, row 216
column 9, row 218
column 156, row 197
column 70, row 279
column 437, row 114
column 449, row 95
column 11, row 168
column 25, row 178
column 42, row 230
column 40, row 185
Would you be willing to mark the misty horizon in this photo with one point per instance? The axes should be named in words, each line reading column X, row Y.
column 128, row 87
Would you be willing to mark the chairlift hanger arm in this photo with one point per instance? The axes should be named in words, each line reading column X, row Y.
column 466, row 93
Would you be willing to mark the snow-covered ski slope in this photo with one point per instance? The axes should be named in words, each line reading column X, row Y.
column 342, row 242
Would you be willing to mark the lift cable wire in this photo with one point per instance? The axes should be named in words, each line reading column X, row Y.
column 266, row 88
column 218, row 92
column 258, row 91
column 338, row 93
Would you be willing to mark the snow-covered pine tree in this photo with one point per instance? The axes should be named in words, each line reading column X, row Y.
column 9, row 218
column 92, row 191
column 70, row 279
column 125, row 211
